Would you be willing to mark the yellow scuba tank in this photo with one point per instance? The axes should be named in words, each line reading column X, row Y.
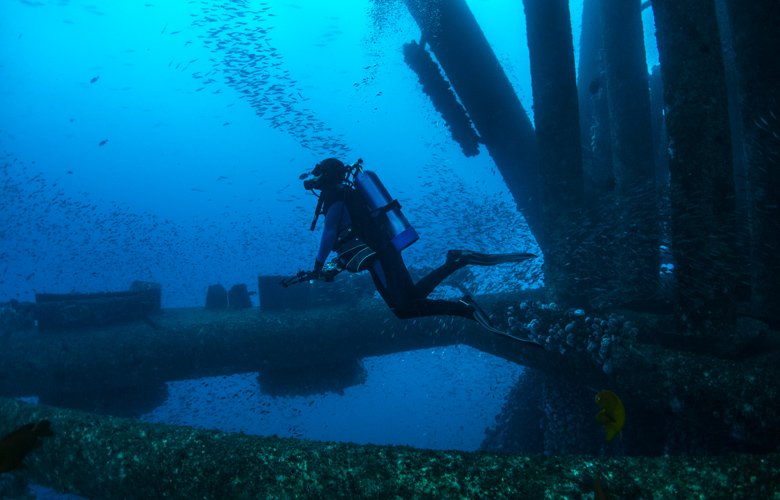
column 397, row 229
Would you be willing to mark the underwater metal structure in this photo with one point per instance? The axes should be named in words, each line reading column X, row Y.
column 557, row 129
column 619, row 175
column 704, row 225
column 442, row 97
column 601, row 228
column 99, row 369
column 453, row 35
column 107, row 457
column 103, row 456
column 628, row 97
column 754, row 41
column 543, row 166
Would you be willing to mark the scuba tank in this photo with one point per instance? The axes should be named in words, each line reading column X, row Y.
column 397, row 229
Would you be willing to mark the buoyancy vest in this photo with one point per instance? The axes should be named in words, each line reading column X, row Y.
column 364, row 226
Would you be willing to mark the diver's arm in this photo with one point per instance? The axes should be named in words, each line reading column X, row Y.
column 329, row 233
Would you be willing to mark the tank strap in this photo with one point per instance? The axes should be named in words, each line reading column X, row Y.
column 387, row 208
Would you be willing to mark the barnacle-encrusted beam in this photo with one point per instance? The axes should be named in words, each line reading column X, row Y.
column 107, row 457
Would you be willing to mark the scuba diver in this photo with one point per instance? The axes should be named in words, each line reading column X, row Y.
column 366, row 229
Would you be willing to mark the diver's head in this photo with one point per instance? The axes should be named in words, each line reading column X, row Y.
column 327, row 174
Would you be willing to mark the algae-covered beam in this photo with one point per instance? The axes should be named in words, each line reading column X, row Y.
column 108, row 457
column 471, row 66
column 668, row 381
column 192, row 343
column 676, row 395
column 125, row 361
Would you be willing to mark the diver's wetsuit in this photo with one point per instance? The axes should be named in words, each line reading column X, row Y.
column 391, row 277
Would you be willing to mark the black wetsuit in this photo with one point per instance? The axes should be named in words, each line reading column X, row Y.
column 405, row 298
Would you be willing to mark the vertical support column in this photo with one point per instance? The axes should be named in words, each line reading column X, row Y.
column 594, row 109
column 598, row 175
column 636, row 234
column 700, row 164
column 556, row 115
column 756, row 43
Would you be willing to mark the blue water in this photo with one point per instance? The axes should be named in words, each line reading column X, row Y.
column 162, row 141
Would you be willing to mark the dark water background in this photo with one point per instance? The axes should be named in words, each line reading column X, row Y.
column 162, row 141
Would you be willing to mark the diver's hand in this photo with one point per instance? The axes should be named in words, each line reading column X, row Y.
column 325, row 272
column 329, row 273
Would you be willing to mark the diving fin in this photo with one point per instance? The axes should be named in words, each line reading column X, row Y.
column 481, row 317
column 467, row 257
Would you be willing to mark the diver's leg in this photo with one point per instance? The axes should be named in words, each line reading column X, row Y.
column 392, row 279
column 469, row 258
column 465, row 307
column 429, row 282
column 429, row 307
column 395, row 285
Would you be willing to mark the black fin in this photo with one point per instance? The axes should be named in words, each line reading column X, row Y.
column 481, row 317
column 469, row 258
